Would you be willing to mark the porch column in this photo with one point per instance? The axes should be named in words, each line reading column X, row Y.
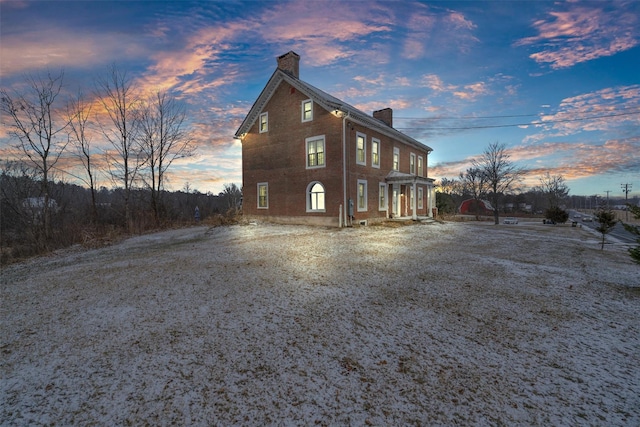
column 431, row 203
column 414, row 190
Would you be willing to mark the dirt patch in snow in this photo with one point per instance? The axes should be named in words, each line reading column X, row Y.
column 454, row 323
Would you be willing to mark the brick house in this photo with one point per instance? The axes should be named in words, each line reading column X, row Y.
column 310, row 158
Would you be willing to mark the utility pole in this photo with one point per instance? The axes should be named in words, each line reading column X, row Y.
column 626, row 188
column 607, row 191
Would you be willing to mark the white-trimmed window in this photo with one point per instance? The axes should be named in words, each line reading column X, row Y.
column 382, row 197
column 411, row 196
column 420, row 166
column 396, row 159
column 307, row 110
column 362, row 195
column 315, row 152
column 412, row 164
column 263, row 195
column 361, row 149
column 264, row 122
column 375, row 152
column 420, row 197
column 315, row 197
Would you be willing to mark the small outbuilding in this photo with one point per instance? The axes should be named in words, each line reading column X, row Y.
column 475, row 207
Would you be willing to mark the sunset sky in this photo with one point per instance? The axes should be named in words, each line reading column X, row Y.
column 557, row 82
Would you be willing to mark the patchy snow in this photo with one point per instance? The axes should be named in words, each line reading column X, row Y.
column 455, row 323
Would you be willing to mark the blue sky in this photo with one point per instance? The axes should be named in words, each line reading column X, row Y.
column 557, row 82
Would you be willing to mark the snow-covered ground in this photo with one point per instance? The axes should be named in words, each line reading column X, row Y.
column 431, row 324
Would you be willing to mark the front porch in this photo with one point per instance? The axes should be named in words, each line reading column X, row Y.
column 412, row 197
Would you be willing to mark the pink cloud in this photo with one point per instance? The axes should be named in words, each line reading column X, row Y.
column 468, row 92
column 430, row 31
column 601, row 110
column 582, row 34
column 572, row 160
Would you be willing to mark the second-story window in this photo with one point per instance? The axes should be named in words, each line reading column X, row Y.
column 307, row 110
column 264, row 122
column 361, row 147
column 375, row 152
column 396, row 159
column 420, row 166
column 412, row 164
column 315, row 151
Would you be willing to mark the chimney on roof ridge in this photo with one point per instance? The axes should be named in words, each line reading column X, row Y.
column 385, row 115
column 290, row 63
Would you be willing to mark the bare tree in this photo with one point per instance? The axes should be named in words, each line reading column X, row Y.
column 163, row 138
column 34, row 120
column 554, row 188
column 120, row 103
column 499, row 173
column 450, row 186
column 78, row 113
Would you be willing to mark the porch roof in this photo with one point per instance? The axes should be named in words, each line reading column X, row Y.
column 406, row 178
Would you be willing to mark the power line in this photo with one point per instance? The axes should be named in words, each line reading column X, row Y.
column 467, row 117
column 521, row 124
column 635, row 108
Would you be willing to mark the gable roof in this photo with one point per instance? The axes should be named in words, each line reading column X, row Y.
column 326, row 101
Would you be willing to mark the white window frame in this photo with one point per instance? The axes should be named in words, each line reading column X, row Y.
column 420, row 166
column 302, row 105
column 364, row 148
column 383, row 202
column 266, row 185
column 362, row 207
column 375, row 154
column 310, row 197
column 412, row 163
column 420, row 198
column 266, row 123
column 396, row 159
column 411, row 197
column 324, row 152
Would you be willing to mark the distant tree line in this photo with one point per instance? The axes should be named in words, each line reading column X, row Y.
column 79, row 216
column 495, row 178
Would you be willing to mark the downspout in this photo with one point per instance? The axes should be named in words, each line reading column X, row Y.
column 344, row 167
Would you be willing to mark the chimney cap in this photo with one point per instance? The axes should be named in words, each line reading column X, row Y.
column 287, row 54
column 290, row 63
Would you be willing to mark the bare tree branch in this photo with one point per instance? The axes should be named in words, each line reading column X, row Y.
column 36, row 123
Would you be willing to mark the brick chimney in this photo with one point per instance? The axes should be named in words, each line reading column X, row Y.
column 290, row 63
column 385, row 115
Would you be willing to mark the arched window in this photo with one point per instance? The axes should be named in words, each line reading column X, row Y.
column 315, row 197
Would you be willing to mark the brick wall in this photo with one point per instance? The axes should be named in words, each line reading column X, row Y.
column 278, row 157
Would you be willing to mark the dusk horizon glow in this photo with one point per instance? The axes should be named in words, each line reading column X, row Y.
column 556, row 82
